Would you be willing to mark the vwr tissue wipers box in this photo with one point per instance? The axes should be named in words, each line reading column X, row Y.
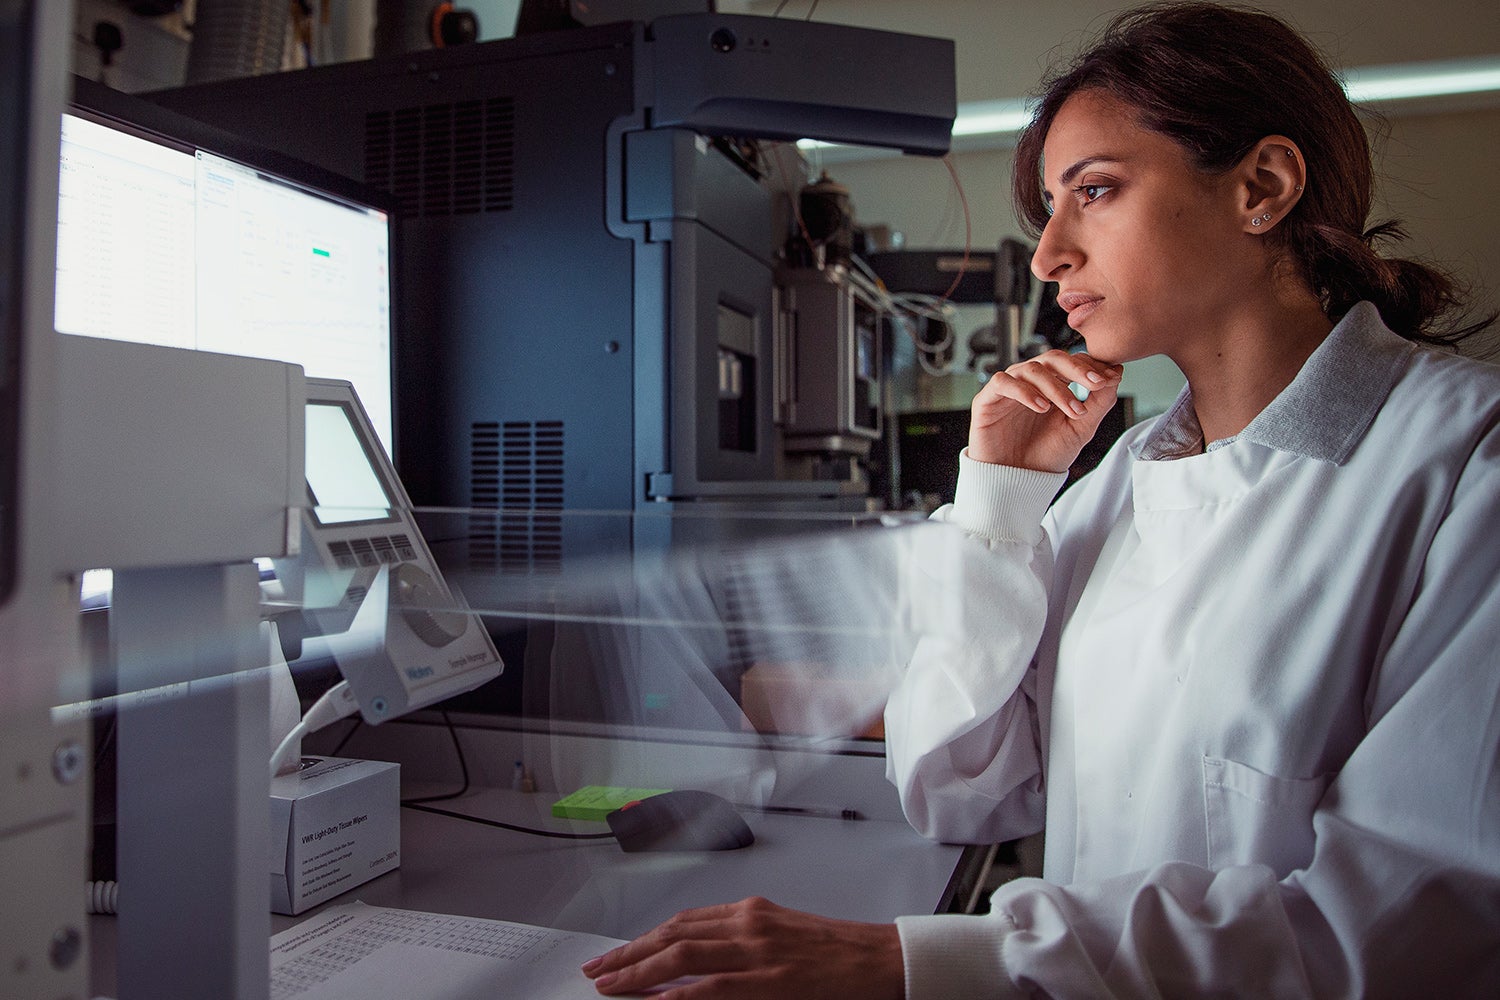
column 335, row 824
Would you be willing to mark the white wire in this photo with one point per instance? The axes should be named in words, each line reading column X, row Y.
column 911, row 307
column 336, row 703
column 935, row 370
column 868, row 272
column 101, row 897
column 912, row 303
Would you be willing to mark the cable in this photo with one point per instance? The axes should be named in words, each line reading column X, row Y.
column 777, row 11
column 418, row 803
column 463, row 766
column 907, row 307
column 101, row 897
column 337, row 703
column 868, row 272
column 509, row 826
column 963, row 265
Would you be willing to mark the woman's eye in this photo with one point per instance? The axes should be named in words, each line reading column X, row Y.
column 1092, row 192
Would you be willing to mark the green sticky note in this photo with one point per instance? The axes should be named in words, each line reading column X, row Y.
column 595, row 802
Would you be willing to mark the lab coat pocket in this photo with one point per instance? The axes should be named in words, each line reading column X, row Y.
column 1258, row 818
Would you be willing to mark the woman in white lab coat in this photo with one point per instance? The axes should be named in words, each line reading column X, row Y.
column 1246, row 672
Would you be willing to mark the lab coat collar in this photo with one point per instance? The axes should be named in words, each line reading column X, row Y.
column 1326, row 409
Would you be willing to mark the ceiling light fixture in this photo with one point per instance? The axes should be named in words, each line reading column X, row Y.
column 1437, row 84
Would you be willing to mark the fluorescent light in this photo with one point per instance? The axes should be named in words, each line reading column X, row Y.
column 991, row 117
column 995, row 123
column 1444, row 78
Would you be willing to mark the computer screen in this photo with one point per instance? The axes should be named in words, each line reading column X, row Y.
column 340, row 473
column 170, row 232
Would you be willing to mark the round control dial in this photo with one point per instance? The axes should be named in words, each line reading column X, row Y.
column 425, row 607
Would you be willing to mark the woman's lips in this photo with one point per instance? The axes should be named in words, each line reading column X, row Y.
column 1078, row 306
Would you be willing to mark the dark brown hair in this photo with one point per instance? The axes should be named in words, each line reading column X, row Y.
column 1218, row 79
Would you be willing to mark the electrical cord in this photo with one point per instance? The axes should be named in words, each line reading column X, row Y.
column 915, row 303
column 909, row 306
column 963, row 266
column 463, row 767
column 101, row 897
column 337, row 702
column 420, row 804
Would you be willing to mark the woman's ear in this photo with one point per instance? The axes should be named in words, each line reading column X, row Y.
column 1272, row 176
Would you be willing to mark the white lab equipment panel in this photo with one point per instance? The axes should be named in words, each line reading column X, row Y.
column 43, row 767
column 175, row 457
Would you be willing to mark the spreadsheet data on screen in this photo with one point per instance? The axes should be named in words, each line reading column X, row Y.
column 185, row 248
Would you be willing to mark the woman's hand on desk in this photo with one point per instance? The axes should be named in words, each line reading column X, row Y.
column 1028, row 418
column 754, row 949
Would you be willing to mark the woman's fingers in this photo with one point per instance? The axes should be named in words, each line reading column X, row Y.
column 682, row 932
column 756, row 950
column 1049, row 386
column 1028, row 416
column 1044, row 382
column 688, row 957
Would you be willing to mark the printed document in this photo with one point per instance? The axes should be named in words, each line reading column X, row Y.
column 354, row 951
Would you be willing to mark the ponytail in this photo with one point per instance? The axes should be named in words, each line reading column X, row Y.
column 1344, row 268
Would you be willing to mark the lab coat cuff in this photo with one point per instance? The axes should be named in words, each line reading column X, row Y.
column 955, row 957
column 1001, row 502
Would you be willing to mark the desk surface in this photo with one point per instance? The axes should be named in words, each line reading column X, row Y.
column 866, row 869
column 870, row 869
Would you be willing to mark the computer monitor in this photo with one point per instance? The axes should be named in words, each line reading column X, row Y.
column 171, row 232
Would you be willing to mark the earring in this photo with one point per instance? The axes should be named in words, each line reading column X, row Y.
column 1299, row 187
column 1290, row 153
column 1266, row 217
column 1255, row 221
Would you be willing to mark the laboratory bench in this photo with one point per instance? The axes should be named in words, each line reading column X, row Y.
column 873, row 868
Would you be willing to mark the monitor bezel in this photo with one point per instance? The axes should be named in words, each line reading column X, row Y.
column 115, row 109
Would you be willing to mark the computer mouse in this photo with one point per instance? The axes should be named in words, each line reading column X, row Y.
column 679, row 821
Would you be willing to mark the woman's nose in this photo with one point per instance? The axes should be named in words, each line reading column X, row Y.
column 1055, row 251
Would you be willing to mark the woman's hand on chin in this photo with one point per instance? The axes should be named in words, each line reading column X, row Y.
column 1029, row 418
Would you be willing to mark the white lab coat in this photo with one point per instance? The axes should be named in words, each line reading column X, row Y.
column 1255, row 691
